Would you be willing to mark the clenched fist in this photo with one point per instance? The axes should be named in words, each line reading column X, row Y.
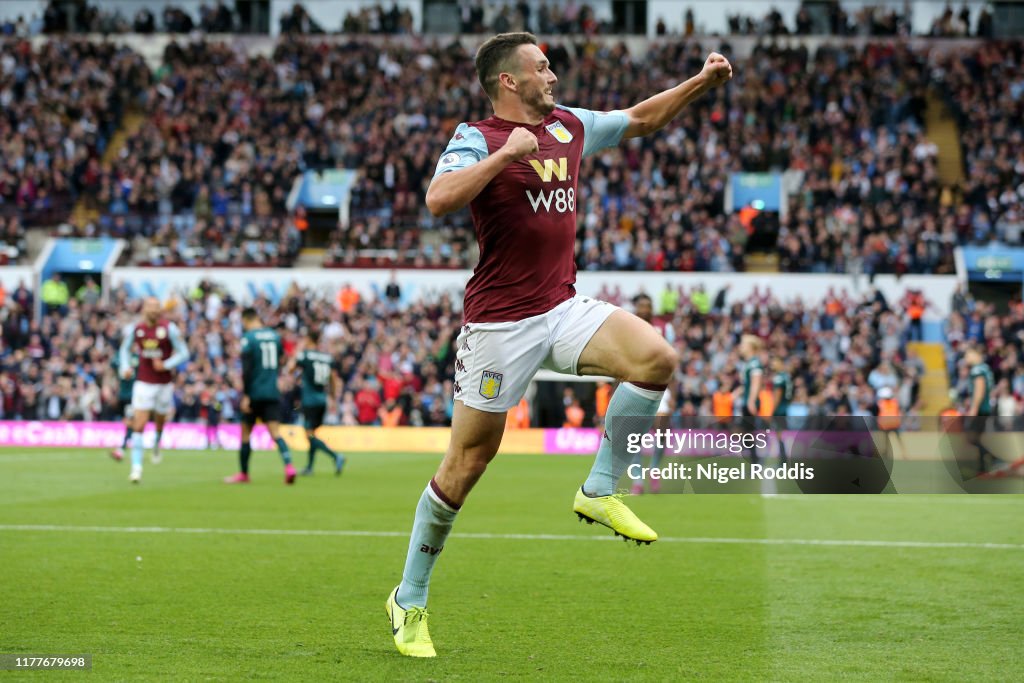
column 717, row 70
column 521, row 143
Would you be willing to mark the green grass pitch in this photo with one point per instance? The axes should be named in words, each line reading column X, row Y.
column 728, row 595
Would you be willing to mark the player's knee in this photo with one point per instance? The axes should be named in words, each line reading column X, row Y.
column 470, row 464
column 660, row 366
column 473, row 468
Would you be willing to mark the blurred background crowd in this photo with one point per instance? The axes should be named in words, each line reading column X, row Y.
column 218, row 138
column 396, row 355
column 546, row 17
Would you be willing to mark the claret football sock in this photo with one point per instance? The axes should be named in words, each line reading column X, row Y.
column 640, row 404
column 434, row 518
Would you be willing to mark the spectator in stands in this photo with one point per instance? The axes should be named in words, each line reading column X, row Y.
column 55, row 295
column 144, row 21
column 176, row 20
column 89, row 293
column 393, row 293
column 299, row 21
column 215, row 19
column 204, row 181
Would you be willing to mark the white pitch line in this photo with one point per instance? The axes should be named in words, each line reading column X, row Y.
column 511, row 537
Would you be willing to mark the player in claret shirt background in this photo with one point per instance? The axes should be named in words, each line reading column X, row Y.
column 518, row 171
column 160, row 349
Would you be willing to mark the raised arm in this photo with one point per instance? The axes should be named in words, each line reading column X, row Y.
column 655, row 112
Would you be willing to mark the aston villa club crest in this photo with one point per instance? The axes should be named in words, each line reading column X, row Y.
column 560, row 132
column 490, row 384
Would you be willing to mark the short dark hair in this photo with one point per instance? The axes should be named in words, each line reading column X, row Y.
column 493, row 58
column 314, row 336
column 249, row 313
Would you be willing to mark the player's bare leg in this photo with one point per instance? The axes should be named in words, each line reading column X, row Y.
column 476, row 436
column 141, row 419
column 286, row 455
column 159, row 420
column 630, row 350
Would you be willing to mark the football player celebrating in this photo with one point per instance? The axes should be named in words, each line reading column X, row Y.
column 518, row 172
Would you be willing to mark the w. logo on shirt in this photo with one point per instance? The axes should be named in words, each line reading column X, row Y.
column 561, row 171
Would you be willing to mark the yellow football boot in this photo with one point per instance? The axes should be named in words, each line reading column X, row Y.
column 409, row 626
column 613, row 513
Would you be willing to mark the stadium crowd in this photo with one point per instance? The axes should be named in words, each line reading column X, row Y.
column 59, row 107
column 985, row 90
column 205, row 178
column 396, row 359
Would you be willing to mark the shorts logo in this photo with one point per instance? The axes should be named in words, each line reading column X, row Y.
column 490, row 384
column 560, row 132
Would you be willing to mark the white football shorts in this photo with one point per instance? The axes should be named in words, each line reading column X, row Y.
column 666, row 404
column 496, row 361
column 158, row 398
